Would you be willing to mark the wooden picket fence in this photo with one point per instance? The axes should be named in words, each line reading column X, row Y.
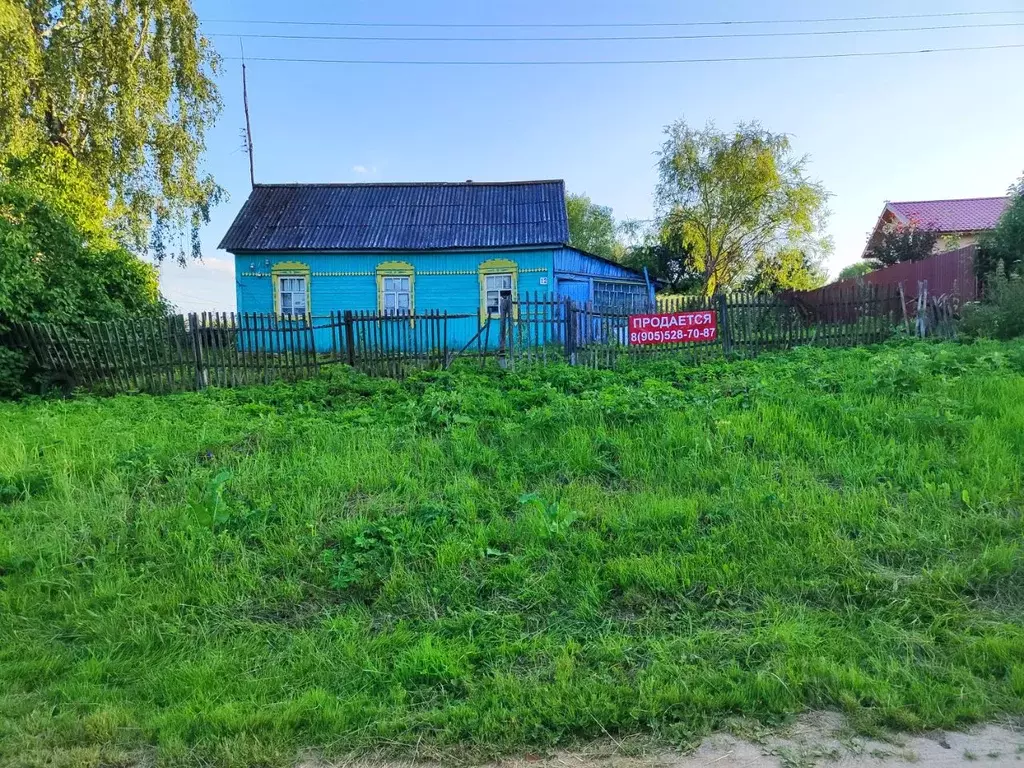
column 228, row 349
column 540, row 328
column 195, row 351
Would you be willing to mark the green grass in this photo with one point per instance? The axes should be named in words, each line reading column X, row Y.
column 483, row 562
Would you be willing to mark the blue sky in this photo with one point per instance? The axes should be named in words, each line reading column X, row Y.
column 910, row 127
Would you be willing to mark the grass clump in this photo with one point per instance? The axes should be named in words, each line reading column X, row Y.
column 494, row 560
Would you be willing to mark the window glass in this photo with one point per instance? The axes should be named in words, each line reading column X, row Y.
column 292, row 295
column 497, row 287
column 397, row 295
column 620, row 296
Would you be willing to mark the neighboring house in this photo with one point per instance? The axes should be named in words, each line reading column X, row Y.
column 314, row 249
column 960, row 222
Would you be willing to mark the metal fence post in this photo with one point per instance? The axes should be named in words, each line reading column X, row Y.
column 723, row 322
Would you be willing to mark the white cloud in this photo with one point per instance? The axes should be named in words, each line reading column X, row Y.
column 201, row 286
column 363, row 169
column 215, row 265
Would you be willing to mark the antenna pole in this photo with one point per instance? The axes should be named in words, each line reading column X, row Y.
column 248, row 126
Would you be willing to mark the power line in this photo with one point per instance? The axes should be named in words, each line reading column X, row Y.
column 717, row 36
column 416, row 25
column 715, row 60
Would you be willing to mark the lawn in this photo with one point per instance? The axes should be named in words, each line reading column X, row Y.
column 486, row 562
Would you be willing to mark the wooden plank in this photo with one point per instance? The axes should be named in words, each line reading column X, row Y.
column 218, row 360
column 177, row 369
column 242, row 347
column 153, row 333
column 123, row 356
column 229, row 344
column 145, row 352
column 98, row 354
column 76, row 366
column 264, row 352
column 261, row 354
column 136, row 349
column 140, row 350
column 363, row 353
column 163, row 329
column 82, row 353
column 110, row 363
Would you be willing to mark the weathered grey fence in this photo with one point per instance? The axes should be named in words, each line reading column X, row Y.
column 191, row 352
column 222, row 349
column 538, row 329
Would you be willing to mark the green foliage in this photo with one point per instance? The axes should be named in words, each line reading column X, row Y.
column 211, row 510
column 592, row 227
column 49, row 272
column 127, row 90
column 738, row 200
column 1001, row 314
column 500, row 560
column 667, row 259
column 788, row 269
column 54, row 176
column 857, row 269
column 1002, row 250
column 900, row 242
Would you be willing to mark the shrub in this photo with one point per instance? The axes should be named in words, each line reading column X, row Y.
column 51, row 272
column 1000, row 315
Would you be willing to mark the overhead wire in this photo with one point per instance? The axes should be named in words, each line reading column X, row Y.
column 580, row 25
column 608, row 62
column 719, row 36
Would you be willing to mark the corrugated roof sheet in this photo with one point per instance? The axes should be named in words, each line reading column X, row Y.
column 398, row 217
column 967, row 215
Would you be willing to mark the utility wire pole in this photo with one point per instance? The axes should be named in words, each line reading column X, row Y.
column 248, row 126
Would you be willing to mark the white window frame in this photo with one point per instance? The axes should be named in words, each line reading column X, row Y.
column 302, row 291
column 501, row 290
column 396, row 292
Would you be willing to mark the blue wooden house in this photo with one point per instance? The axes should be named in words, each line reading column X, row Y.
column 313, row 249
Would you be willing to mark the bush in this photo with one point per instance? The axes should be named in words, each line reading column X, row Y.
column 1001, row 315
column 50, row 271
column 1002, row 249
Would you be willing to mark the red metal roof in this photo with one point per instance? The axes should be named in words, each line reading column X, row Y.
column 965, row 215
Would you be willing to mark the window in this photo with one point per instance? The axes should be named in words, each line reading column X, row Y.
column 397, row 295
column 498, row 288
column 499, row 279
column 396, row 289
column 291, row 295
column 290, row 286
column 620, row 297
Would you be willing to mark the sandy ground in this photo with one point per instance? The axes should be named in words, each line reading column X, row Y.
column 818, row 739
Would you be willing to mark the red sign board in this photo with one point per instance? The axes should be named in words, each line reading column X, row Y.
column 674, row 327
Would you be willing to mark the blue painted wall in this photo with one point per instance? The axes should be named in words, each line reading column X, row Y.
column 577, row 272
column 443, row 281
column 570, row 262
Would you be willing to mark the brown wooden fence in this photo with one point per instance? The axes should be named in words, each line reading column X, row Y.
column 191, row 352
column 227, row 349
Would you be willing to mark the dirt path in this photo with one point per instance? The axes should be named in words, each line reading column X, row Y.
column 818, row 739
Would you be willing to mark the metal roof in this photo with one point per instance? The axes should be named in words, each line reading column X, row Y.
column 966, row 215
column 399, row 217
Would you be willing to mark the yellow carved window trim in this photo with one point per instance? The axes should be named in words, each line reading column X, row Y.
column 396, row 269
column 497, row 267
column 290, row 269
